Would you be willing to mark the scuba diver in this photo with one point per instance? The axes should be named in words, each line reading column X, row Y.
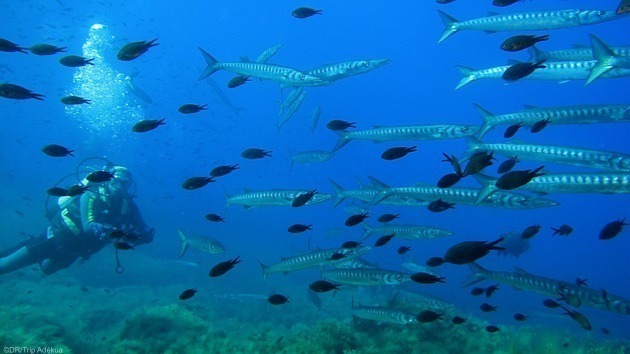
column 84, row 224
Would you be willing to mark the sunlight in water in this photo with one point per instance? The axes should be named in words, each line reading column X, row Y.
column 113, row 109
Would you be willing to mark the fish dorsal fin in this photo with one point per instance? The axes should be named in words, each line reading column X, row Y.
column 530, row 106
column 245, row 59
column 492, row 13
column 520, row 270
column 421, row 184
column 247, row 190
column 579, row 46
column 377, row 126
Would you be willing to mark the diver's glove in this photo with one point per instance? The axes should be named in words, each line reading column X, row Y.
column 102, row 230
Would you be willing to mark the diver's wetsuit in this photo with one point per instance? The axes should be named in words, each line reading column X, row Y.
column 79, row 230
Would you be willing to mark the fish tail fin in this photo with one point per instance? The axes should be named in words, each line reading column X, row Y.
column 450, row 25
column 182, row 236
column 337, row 191
column 227, row 198
column 478, row 274
column 535, row 54
column 472, row 147
column 486, row 115
column 493, row 245
column 368, row 230
column 343, row 140
column 377, row 183
column 264, row 269
column 604, row 57
column 210, row 69
column 488, row 187
column 468, row 76
column 544, row 37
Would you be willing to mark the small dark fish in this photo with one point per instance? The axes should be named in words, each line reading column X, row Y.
column 623, row 7
column 55, row 150
column 397, row 152
column 487, row 307
column 612, row 229
column 512, row 129
column 350, row 244
column 255, row 153
column 304, row 12
column 383, row 240
column 77, row 189
column 190, row 108
column 520, row 317
column 449, row 180
column 146, row 125
column 297, row 228
column 444, row 1
column 579, row 318
column 551, row 304
column 563, row 230
column 434, row 262
column 74, row 100
column 426, row 278
column 8, row 46
column 428, row 316
column 387, row 217
column 100, row 176
column 470, row 251
column 516, row 43
column 458, row 320
column 354, row 220
column 477, row 291
column 605, row 331
column 337, row 124
column 581, row 282
column 492, row 329
column 337, row 256
column 187, row 294
column 503, row 3
column 222, row 170
column 85, row 289
column 491, row 289
column 46, row 49
column 223, row 267
column 521, row 70
column 514, row 179
column 237, row 81
column 530, row 231
column 439, row 205
column 322, row 286
column 540, row 125
column 16, row 92
column 122, row 245
column 478, row 161
column 277, row 299
column 303, row 198
column 75, row 61
column 507, row 165
column 403, row 249
column 133, row 50
column 57, row 192
column 196, row 182
column 214, row 218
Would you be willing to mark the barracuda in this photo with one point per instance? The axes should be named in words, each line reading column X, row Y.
column 204, row 244
column 312, row 156
column 409, row 132
column 575, row 295
column 383, row 314
column 268, row 53
column 412, row 232
column 527, row 21
column 608, row 183
column 273, row 197
column 606, row 59
column 605, row 160
column 468, row 196
column 583, row 114
column 555, row 70
column 367, row 193
column 365, row 276
column 581, row 53
column 276, row 73
column 290, row 110
column 313, row 259
column 338, row 71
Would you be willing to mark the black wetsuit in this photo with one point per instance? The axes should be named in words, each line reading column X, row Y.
column 80, row 229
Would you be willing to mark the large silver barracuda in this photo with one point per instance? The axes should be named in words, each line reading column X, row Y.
column 467, row 196
column 527, row 21
column 312, row 156
column 582, row 114
column 204, row 244
column 407, row 132
column 574, row 294
column 554, row 70
column 366, row 194
column 607, row 183
column 313, row 259
column 338, row 71
column 580, row 53
column 268, row 53
column 276, row 73
column 365, row 276
column 606, row 59
column 273, row 197
column 411, row 232
column 384, row 314
column 611, row 161
column 288, row 112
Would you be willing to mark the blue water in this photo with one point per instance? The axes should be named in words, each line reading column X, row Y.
column 415, row 88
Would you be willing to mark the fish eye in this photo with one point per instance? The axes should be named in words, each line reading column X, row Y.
column 366, row 63
column 302, row 77
column 350, row 252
